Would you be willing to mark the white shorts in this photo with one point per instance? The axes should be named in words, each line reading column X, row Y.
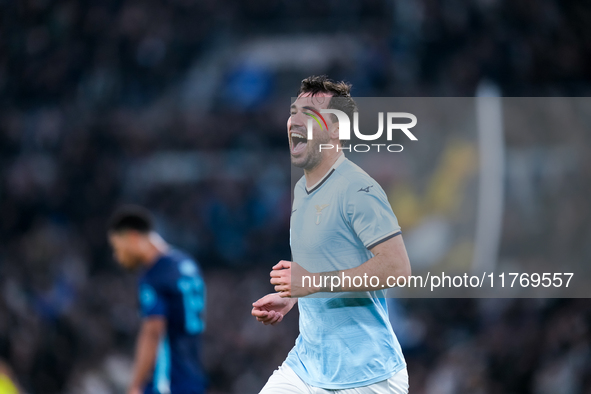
column 285, row 381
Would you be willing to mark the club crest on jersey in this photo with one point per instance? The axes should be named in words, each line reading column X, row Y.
column 319, row 209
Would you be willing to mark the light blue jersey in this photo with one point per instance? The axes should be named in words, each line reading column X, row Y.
column 344, row 342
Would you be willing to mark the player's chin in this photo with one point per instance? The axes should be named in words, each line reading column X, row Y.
column 299, row 160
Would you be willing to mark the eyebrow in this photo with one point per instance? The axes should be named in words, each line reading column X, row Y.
column 309, row 108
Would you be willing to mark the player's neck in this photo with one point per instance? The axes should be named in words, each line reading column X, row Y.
column 155, row 249
column 317, row 173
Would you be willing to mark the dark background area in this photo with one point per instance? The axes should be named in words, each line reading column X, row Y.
column 181, row 106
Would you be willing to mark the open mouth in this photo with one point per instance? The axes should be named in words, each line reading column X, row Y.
column 299, row 142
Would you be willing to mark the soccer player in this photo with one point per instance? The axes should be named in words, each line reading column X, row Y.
column 172, row 300
column 341, row 226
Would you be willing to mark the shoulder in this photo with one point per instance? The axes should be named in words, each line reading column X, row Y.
column 169, row 268
column 354, row 180
column 182, row 263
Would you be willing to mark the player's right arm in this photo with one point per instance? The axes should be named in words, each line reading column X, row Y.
column 152, row 330
column 271, row 308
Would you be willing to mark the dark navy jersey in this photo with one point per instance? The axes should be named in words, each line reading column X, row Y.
column 174, row 289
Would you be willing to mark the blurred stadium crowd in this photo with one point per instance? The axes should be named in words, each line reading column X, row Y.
column 163, row 103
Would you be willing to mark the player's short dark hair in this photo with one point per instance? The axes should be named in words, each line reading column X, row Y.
column 131, row 217
column 341, row 94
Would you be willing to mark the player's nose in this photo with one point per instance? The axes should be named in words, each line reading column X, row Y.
column 296, row 124
column 297, row 120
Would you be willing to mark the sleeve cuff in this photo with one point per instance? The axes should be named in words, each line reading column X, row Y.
column 387, row 237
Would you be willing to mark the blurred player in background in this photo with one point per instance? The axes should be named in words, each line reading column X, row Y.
column 341, row 223
column 172, row 300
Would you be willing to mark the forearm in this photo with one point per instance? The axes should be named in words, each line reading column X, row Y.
column 381, row 271
column 361, row 278
column 145, row 357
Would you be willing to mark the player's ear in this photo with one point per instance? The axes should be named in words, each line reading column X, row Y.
column 333, row 131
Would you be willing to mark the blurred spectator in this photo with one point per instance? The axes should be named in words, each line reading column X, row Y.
column 8, row 384
column 153, row 102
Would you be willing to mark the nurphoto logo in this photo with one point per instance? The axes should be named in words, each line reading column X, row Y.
column 345, row 129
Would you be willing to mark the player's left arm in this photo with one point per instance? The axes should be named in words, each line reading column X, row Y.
column 151, row 332
column 369, row 214
column 390, row 260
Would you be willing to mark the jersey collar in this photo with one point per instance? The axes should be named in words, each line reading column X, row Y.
column 332, row 169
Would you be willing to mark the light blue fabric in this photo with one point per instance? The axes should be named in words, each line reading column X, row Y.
column 344, row 342
column 162, row 368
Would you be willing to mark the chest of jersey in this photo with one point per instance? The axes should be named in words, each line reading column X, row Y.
column 320, row 234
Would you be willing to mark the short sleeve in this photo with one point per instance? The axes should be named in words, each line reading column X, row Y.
column 152, row 302
column 369, row 213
